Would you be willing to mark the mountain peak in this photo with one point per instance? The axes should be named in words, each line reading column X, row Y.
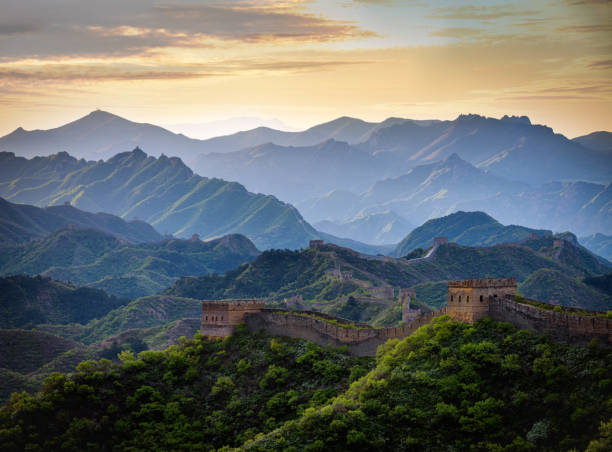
column 469, row 117
column 454, row 159
column 100, row 114
column 517, row 119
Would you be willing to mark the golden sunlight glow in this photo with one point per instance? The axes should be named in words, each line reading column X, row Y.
column 308, row 62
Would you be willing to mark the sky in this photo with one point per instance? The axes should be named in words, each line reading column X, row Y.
column 305, row 62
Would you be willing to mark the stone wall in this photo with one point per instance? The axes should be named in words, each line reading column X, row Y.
column 384, row 292
column 220, row 317
column 572, row 328
column 363, row 340
column 468, row 300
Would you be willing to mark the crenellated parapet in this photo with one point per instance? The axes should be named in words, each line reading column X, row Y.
column 468, row 300
column 220, row 317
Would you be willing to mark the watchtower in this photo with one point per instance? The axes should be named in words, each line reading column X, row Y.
column 220, row 317
column 440, row 241
column 468, row 300
column 408, row 314
column 316, row 243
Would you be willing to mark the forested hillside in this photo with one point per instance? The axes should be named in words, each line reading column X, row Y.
column 283, row 274
column 448, row 386
column 93, row 258
column 453, row 386
column 200, row 395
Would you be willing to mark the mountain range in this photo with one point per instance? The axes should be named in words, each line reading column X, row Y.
column 418, row 170
column 510, row 147
column 281, row 275
column 438, row 189
column 162, row 191
column 600, row 244
column 89, row 257
column 376, row 228
column 21, row 222
column 465, row 228
column 506, row 146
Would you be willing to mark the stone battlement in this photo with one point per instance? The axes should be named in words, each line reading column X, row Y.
column 468, row 301
column 233, row 304
column 316, row 243
column 483, row 283
column 568, row 326
column 220, row 317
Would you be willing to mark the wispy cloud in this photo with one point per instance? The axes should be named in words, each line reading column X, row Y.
column 65, row 72
column 456, row 32
column 596, row 28
column 603, row 64
column 7, row 29
column 140, row 27
column 472, row 12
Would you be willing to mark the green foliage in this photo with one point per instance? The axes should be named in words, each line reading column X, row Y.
column 558, row 287
column 200, row 395
column 279, row 274
column 94, row 258
column 28, row 301
column 454, row 386
column 602, row 283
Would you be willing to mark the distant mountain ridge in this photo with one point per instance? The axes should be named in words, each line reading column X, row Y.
column 98, row 135
column 582, row 207
column 21, row 222
column 465, row 228
column 440, row 188
column 600, row 244
column 425, row 191
column 162, row 191
column 597, row 141
column 509, row 168
column 298, row 173
column 511, row 146
column 378, row 228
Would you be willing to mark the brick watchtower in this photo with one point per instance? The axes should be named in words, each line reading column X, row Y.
column 220, row 317
column 468, row 300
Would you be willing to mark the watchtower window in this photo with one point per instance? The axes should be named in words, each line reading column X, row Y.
column 467, row 299
column 459, row 298
column 481, row 299
column 451, row 298
column 207, row 318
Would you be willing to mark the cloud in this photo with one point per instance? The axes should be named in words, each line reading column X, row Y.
column 590, row 2
column 456, row 32
column 15, row 28
column 58, row 72
column 472, row 12
column 115, row 27
column 604, row 64
column 569, row 92
column 606, row 28
column 386, row 2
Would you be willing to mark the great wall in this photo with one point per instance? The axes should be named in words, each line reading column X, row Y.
column 467, row 301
